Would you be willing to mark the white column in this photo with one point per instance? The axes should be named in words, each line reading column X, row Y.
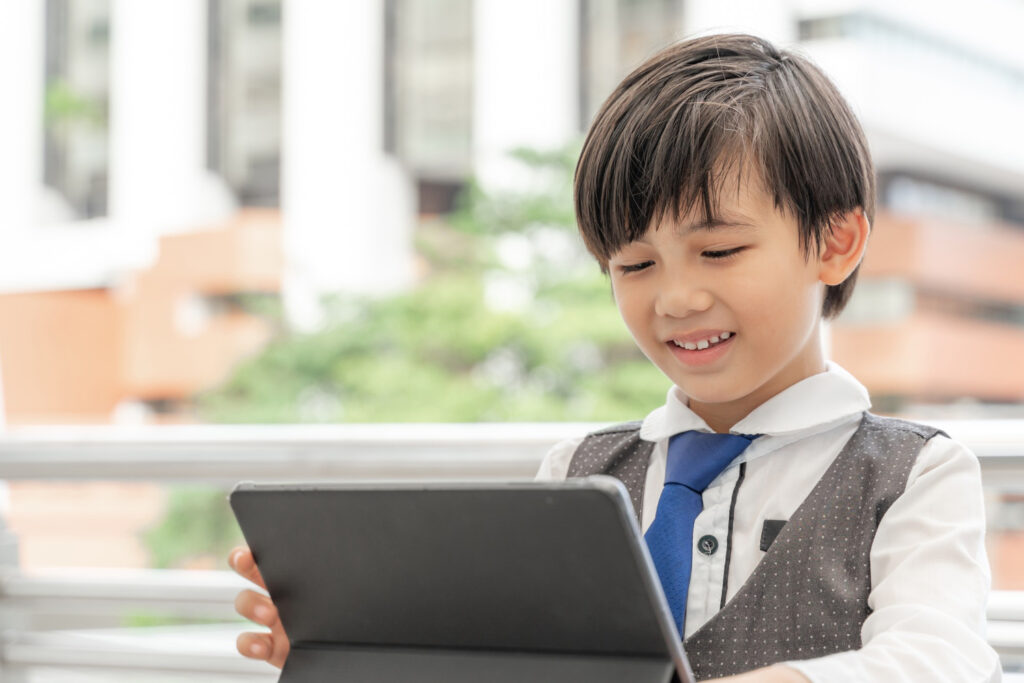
column 526, row 82
column 21, row 116
column 158, row 177
column 348, row 209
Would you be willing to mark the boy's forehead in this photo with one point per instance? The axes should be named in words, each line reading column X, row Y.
column 733, row 205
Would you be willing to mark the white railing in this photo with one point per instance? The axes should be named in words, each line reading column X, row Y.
column 226, row 455
column 29, row 604
column 209, row 649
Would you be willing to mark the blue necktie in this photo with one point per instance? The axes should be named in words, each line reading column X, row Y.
column 694, row 460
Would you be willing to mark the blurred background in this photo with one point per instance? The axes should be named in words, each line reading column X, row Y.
column 252, row 212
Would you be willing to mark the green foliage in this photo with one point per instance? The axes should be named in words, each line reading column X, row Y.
column 546, row 201
column 198, row 528
column 139, row 619
column 439, row 353
column 450, row 350
column 63, row 105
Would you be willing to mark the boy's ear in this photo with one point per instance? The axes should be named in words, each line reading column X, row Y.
column 844, row 246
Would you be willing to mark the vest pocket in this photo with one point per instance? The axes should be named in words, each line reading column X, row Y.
column 769, row 531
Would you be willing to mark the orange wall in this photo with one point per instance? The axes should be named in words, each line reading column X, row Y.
column 59, row 355
column 162, row 357
column 72, row 356
column 243, row 255
column 933, row 356
column 983, row 261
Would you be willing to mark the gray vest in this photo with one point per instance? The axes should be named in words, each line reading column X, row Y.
column 808, row 595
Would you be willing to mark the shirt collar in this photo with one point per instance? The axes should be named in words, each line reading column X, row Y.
column 816, row 400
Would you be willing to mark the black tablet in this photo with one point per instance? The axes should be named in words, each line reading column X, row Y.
column 452, row 582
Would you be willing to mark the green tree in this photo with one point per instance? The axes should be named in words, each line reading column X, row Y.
column 512, row 322
column 64, row 106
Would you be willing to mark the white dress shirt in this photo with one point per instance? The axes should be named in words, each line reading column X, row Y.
column 929, row 572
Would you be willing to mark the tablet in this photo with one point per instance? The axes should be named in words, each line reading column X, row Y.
column 452, row 582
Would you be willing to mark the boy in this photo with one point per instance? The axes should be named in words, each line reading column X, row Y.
column 727, row 190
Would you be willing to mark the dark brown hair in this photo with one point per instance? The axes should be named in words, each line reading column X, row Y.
column 702, row 110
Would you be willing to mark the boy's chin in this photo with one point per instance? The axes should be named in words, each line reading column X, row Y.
column 711, row 394
column 703, row 396
column 709, row 400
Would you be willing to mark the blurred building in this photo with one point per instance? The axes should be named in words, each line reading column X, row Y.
column 138, row 346
column 135, row 128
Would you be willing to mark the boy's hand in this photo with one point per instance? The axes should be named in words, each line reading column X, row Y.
column 272, row 647
column 772, row 674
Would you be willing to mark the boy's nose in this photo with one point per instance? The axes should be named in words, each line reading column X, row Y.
column 678, row 299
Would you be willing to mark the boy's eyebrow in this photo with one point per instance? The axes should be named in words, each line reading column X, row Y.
column 710, row 225
column 704, row 225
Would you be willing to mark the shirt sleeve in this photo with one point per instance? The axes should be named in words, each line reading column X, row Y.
column 555, row 465
column 930, row 583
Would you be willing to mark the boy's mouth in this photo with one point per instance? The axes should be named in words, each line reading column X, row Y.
column 701, row 344
column 700, row 352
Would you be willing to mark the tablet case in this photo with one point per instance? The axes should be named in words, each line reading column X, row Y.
column 461, row 582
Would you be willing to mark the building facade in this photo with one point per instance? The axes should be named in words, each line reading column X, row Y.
column 133, row 125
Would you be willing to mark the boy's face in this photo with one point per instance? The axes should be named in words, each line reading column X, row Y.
column 743, row 294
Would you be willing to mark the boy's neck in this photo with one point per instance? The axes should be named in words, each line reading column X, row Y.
column 719, row 424
column 721, row 417
column 718, row 417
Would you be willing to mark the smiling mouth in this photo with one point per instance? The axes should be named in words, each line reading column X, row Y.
column 703, row 343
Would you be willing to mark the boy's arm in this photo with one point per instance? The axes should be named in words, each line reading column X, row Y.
column 779, row 673
column 555, row 465
column 930, row 582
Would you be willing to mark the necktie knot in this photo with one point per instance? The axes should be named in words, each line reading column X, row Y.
column 696, row 458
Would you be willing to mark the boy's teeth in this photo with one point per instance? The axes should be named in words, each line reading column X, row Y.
column 703, row 343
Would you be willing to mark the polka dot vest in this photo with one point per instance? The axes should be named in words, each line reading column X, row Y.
column 808, row 595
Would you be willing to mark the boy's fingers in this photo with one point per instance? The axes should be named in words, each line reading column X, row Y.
column 256, row 607
column 255, row 645
column 241, row 561
column 272, row 648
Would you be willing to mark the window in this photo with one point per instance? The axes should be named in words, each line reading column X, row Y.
column 77, row 100
column 244, row 98
column 615, row 37
column 429, row 86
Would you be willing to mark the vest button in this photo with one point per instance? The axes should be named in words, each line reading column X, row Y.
column 707, row 544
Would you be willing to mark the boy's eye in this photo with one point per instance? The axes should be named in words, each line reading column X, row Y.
column 634, row 267
column 723, row 254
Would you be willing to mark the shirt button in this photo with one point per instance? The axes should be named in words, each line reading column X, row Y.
column 707, row 544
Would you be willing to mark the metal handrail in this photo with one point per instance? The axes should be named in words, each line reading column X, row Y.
column 197, row 594
column 195, row 651
column 226, row 454
column 211, row 593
